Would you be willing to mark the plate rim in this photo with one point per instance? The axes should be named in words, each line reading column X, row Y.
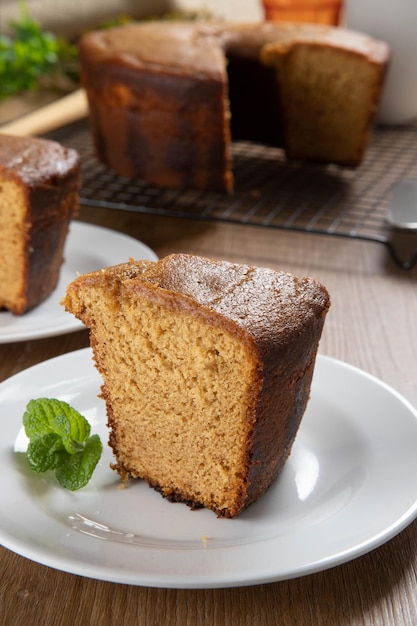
column 167, row 581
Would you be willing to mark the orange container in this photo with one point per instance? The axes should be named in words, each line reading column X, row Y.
column 320, row 11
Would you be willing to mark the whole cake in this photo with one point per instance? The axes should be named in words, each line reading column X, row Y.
column 39, row 182
column 207, row 367
column 167, row 98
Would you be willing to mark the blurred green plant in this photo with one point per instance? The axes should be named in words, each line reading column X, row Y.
column 31, row 58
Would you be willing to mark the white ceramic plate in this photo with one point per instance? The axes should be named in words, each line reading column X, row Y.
column 348, row 486
column 87, row 248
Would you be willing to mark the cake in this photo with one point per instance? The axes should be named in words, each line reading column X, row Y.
column 167, row 98
column 206, row 369
column 39, row 182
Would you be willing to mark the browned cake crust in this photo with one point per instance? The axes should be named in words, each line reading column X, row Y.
column 39, row 184
column 166, row 98
column 207, row 368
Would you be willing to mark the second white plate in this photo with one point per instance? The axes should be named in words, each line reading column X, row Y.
column 88, row 248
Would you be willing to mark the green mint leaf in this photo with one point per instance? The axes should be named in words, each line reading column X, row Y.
column 45, row 453
column 62, row 427
column 73, row 430
column 77, row 469
column 48, row 415
column 59, row 439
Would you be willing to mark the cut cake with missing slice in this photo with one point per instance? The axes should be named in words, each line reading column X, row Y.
column 207, row 367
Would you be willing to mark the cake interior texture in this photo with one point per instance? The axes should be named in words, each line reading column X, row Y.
column 13, row 244
column 202, row 408
column 333, row 99
column 39, row 183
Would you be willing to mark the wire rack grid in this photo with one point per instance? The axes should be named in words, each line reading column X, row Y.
column 270, row 191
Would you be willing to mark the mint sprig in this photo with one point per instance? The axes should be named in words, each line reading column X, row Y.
column 60, row 440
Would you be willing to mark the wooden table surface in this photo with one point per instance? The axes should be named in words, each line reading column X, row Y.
column 372, row 325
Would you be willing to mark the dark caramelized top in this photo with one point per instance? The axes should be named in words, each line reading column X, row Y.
column 36, row 160
column 200, row 47
column 261, row 300
column 269, row 305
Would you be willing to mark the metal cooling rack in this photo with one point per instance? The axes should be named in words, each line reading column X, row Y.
column 271, row 192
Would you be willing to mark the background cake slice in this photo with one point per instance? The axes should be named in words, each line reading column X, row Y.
column 207, row 368
column 39, row 182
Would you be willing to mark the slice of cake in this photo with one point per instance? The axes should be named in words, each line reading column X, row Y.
column 39, row 182
column 207, row 368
